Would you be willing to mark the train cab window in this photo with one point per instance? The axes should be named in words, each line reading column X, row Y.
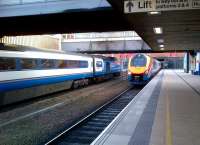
column 99, row 64
column 28, row 63
column 139, row 61
column 154, row 63
column 47, row 63
column 7, row 64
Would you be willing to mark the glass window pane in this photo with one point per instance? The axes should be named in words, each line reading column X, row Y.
column 47, row 63
column 83, row 64
column 60, row 64
column 28, row 63
column 139, row 61
column 98, row 64
column 71, row 64
column 7, row 64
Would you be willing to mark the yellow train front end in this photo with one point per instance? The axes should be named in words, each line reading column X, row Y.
column 139, row 68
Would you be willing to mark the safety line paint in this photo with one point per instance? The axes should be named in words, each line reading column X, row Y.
column 169, row 139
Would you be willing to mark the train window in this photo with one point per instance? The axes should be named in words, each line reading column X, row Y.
column 47, row 63
column 7, row 64
column 139, row 61
column 27, row 63
column 99, row 64
column 60, row 64
column 83, row 64
column 154, row 63
column 71, row 64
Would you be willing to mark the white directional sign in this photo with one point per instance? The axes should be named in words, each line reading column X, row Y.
column 132, row 6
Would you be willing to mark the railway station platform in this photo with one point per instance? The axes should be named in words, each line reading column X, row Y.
column 165, row 112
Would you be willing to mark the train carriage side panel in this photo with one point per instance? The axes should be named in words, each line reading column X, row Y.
column 37, row 81
column 115, row 67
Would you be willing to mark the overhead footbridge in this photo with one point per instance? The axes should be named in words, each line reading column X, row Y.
column 177, row 22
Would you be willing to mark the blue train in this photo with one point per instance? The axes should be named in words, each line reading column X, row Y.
column 29, row 74
column 191, row 63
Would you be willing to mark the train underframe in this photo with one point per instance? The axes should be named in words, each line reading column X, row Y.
column 14, row 96
column 139, row 79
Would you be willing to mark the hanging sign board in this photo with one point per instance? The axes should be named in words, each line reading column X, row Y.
column 134, row 6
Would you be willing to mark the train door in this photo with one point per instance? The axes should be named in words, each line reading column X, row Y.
column 107, row 67
column 99, row 66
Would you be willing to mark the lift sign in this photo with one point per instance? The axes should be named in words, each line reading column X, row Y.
column 133, row 6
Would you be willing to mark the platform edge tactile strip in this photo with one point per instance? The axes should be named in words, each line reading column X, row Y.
column 143, row 129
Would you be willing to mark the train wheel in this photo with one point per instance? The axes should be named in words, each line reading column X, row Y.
column 75, row 85
column 86, row 82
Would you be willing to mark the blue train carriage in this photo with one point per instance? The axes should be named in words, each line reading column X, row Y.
column 197, row 70
column 191, row 63
column 39, row 73
column 142, row 68
column 105, row 68
column 115, row 66
column 195, row 64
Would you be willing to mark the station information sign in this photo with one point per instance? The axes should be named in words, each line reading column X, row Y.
column 133, row 6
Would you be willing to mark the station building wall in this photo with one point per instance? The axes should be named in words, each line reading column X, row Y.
column 38, row 41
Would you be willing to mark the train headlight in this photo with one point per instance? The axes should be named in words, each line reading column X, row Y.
column 129, row 73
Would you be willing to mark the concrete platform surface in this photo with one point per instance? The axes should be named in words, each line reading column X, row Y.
column 165, row 112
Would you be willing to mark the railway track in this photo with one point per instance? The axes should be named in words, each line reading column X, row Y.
column 86, row 130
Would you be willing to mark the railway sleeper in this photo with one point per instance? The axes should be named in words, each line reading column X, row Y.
column 109, row 113
column 84, row 133
column 101, row 119
column 100, row 124
column 93, row 128
column 78, row 139
column 103, row 116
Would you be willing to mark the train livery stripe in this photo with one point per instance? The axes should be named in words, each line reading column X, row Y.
column 20, row 84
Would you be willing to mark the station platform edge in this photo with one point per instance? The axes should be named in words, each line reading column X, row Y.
column 165, row 112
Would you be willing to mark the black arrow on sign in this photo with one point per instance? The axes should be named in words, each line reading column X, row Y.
column 129, row 5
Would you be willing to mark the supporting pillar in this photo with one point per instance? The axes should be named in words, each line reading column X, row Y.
column 187, row 62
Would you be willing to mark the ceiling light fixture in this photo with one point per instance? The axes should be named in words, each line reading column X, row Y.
column 154, row 13
column 158, row 30
column 160, row 41
column 161, row 46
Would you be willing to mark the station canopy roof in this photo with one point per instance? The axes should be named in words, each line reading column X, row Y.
column 172, row 26
column 9, row 8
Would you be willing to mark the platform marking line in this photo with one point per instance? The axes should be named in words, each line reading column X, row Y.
column 168, row 121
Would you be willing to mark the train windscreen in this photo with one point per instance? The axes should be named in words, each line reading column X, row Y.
column 139, row 61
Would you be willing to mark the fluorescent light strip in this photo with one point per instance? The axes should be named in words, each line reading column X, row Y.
column 161, row 46
column 154, row 13
column 158, row 30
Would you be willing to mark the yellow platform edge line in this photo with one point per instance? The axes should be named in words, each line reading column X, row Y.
column 169, row 139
